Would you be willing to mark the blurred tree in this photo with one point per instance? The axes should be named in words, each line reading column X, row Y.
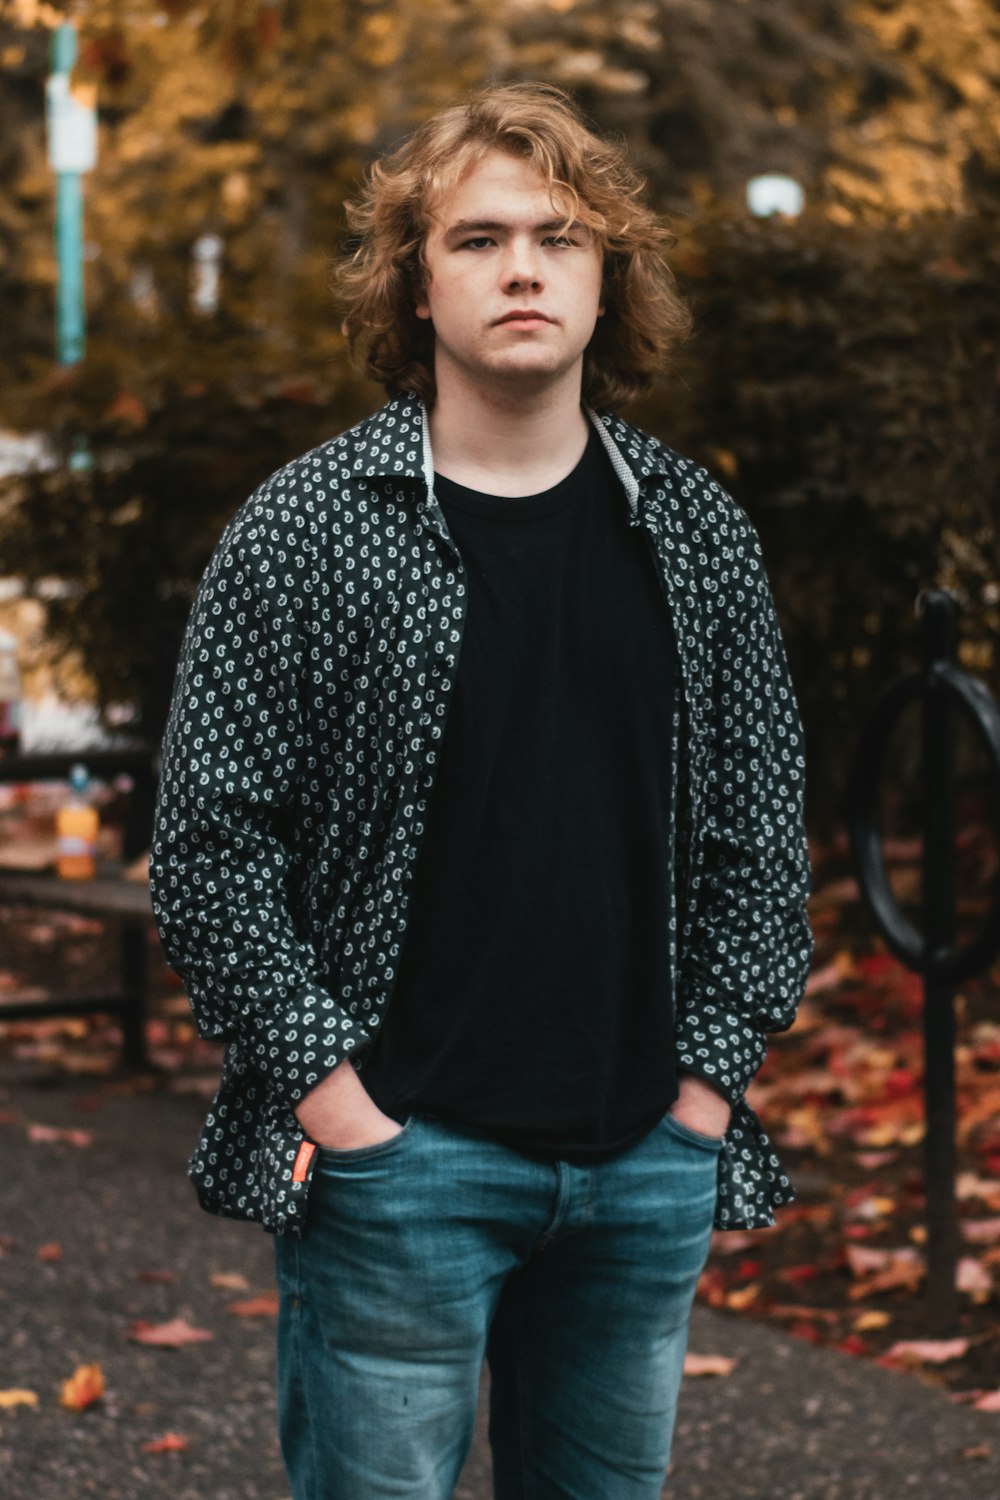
column 842, row 381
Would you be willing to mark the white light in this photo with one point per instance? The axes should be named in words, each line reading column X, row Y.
column 773, row 193
column 207, row 252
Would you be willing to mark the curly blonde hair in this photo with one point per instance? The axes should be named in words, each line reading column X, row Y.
column 383, row 269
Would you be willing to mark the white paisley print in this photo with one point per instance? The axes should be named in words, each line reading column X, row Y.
column 299, row 755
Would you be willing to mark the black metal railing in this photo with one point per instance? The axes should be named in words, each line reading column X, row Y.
column 941, row 688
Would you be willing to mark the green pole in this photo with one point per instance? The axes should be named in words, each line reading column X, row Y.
column 70, row 306
column 72, row 151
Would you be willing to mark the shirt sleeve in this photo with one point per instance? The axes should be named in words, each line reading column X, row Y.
column 746, row 950
column 221, row 866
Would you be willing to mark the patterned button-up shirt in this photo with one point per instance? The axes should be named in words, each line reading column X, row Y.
column 310, row 701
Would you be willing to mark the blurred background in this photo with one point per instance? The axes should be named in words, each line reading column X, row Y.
column 843, row 380
column 832, row 171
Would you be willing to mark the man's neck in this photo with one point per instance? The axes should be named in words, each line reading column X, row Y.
column 507, row 442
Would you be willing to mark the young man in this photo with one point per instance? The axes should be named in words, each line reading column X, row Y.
column 479, row 841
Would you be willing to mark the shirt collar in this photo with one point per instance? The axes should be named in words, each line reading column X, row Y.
column 400, row 450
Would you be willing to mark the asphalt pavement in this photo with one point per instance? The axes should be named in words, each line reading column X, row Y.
column 122, row 1239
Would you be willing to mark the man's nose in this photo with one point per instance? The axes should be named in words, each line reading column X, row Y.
column 521, row 266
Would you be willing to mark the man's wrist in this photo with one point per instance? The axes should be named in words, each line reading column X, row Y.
column 701, row 1105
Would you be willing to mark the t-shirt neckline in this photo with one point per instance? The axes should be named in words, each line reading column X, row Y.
column 451, row 494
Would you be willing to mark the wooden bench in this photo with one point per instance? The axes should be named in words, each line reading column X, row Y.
column 108, row 894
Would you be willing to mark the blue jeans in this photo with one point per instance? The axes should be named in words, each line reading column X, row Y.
column 427, row 1252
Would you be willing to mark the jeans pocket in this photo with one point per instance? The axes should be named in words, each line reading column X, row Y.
column 331, row 1159
column 709, row 1143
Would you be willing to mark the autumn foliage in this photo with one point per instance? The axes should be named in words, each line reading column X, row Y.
column 842, row 381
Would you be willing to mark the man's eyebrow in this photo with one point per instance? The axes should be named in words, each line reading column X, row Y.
column 467, row 226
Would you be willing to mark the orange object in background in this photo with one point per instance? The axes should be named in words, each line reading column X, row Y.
column 76, row 830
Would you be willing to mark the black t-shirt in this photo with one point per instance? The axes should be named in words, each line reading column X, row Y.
column 532, row 998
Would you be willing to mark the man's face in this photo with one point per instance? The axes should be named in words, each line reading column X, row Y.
column 494, row 251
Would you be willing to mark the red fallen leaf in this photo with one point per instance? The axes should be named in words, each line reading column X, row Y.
column 83, row 1388
column 853, row 1344
column 170, row 1442
column 156, row 1277
column 989, row 1402
column 807, row 1331
column 978, row 1450
column 49, row 1253
column 900, row 1082
column 708, row 1364
column 748, row 1269
column 798, row 1274
column 256, row 1307
column 46, row 1134
column 9, row 1116
column 875, row 965
column 171, row 1335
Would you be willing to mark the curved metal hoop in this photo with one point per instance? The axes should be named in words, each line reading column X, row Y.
column 945, row 964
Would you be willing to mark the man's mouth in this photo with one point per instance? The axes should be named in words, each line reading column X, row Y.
column 524, row 315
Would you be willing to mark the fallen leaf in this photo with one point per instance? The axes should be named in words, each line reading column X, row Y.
column 872, row 1160
column 83, row 1388
column 255, row 1307
column 809, row 1331
column 797, row 1274
column 973, row 1278
column 794, row 1310
column 743, row 1296
column 883, row 1269
column 16, row 1397
column 47, row 1134
column 170, row 1442
column 156, row 1277
column 981, row 1231
column 230, row 1281
column 978, row 1450
column 833, row 974
column 708, row 1364
column 49, row 1253
column 170, row 1335
column 990, row 1402
column 927, row 1351
column 873, row 1318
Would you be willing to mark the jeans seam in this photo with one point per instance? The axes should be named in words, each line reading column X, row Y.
column 300, row 1362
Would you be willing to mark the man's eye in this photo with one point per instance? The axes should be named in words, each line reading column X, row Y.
column 562, row 239
column 476, row 241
